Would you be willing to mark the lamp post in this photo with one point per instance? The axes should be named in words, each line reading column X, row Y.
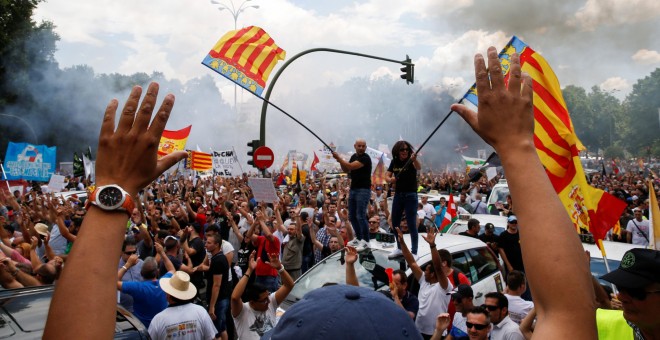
column 235, row 12
column 408, row 76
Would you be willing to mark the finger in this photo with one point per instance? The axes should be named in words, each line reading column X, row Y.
column 146, row 108
column 159, row 122
column 169, row 160
column 495, row 69
column 128, row 112
column 527, row 91
column 470, row 116
column 515, row 76
column 481, row 75
column 108, row 125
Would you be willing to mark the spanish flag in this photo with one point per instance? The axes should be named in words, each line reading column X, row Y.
column 246, row 57
column 199, row 161
column 590, row 209
column 173, row 141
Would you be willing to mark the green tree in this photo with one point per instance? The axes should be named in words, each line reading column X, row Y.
column 582, row 116
column 641, row 119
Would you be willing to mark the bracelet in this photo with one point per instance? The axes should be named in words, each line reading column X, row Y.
column 246, row 275
column 432, row 246
column 124, row 266
column 15, row 273
column 281, row 269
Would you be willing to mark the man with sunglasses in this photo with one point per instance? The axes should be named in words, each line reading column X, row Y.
column 509, row 246
column 503, row 327
column 477, row 323
column 638, row 282
column 132, row 274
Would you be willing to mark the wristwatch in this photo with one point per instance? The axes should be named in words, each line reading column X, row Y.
column 111, row 198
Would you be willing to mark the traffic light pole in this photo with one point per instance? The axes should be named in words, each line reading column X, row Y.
column 409, row 69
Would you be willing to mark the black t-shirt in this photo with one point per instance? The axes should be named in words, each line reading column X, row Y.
column 218, row 266
column 307, row 243
column 200, row 251
column 465, row 233
column 406, row 180
column 510, row 243
column 361, row 178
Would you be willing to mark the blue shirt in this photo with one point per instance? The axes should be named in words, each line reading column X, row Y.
column 148, row 298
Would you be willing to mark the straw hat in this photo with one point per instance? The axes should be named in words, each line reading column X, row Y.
column 178, row 286
column 41, row 229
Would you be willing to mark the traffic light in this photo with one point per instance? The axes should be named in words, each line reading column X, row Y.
column 254, row 144
column 408, row 70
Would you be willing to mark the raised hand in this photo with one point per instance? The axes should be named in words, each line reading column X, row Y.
column 430, row 235
column 253, row 261
column 351, row 255
column 274, row 260
column 128, row 154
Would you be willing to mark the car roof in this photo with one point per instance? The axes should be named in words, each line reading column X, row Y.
column 613, row 250
column 453, row 243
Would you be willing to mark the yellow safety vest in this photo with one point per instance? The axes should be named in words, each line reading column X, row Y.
column 612, row 325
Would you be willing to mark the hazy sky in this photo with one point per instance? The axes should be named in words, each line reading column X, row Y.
column 610, row 43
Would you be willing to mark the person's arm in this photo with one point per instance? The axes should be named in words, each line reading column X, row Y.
column 34, row 258
column 407, row 255
column 435, row 258
column 148, row 241
column 506, row 121
column 441, row 324
column 169, row 266
column 23, row 278
column 215, row 292
column 394, row 290
column 527, row 324
column 508, row 265
column 132, row 260
column 346, row 166
column 236, row 302
column 315, row 241
column 287, row 281
column 350, row 258
column 126, row 157
column 415, row 161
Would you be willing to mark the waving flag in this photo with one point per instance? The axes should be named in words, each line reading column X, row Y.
column 450, row 214
column 30, row 162
column 471, row 162
column 78, row 166
column 199, row 161
column 246, row 57
column 173, row 141
column 557, row 145
column 378, row 177
column 314, row 163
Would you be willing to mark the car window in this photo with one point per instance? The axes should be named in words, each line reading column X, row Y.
column 482, row 264
column 370, row 270
column 598, row 269
column 460, row 261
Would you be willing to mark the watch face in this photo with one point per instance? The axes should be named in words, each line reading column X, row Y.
column 111, row 197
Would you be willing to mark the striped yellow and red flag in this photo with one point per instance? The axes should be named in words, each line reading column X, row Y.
column 557, row 145
column 199, row 161
column 246, row 57
column 173, row 141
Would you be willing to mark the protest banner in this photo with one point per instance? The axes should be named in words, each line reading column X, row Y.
column 263, row 189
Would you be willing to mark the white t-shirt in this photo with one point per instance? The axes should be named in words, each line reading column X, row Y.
column 189, row 322
column 433, row 300
column 429, row 210
column 261, row 322
column 518, row 307
column 639, row 231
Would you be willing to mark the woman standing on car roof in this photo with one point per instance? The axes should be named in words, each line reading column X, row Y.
column 404, row 181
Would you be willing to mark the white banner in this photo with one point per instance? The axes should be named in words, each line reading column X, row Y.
column 225, row 163
column 263, row 189
column 56, row 183
column 375, row 156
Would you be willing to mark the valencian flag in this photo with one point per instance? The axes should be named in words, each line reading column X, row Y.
column 557, row 145
column 199, row 161
column 246, row 57
column 173, row 141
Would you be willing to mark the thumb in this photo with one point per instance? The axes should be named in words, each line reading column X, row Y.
column 169, row 160
column 467, row 114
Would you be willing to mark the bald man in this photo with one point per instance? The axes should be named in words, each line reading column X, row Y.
column 359, row 168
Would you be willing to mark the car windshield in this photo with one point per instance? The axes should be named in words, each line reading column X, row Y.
column 498, row 195
column 370, row 270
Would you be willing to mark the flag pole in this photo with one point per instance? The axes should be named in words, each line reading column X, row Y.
column 427, row 140
column 601, row 247
column 236, row 158
column 4, row 175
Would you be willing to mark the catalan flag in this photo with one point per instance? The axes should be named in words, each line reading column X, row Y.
column 557, row 145
column 246, row 57
column 173, row 141
column 199, row 161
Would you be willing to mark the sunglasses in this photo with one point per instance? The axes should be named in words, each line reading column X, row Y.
column 478, row 326
column 130, row 252
column 490, row 308
column 404, row 150
column 637, row 293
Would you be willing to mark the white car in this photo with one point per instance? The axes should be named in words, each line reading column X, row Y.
column 498, row 194
column 470, row 255
column 433, row 198
column 460, row 225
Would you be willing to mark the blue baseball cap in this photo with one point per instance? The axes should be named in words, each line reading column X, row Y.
column 344, row 312
column 512, row 218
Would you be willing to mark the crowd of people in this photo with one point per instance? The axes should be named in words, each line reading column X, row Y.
column 200, row 258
